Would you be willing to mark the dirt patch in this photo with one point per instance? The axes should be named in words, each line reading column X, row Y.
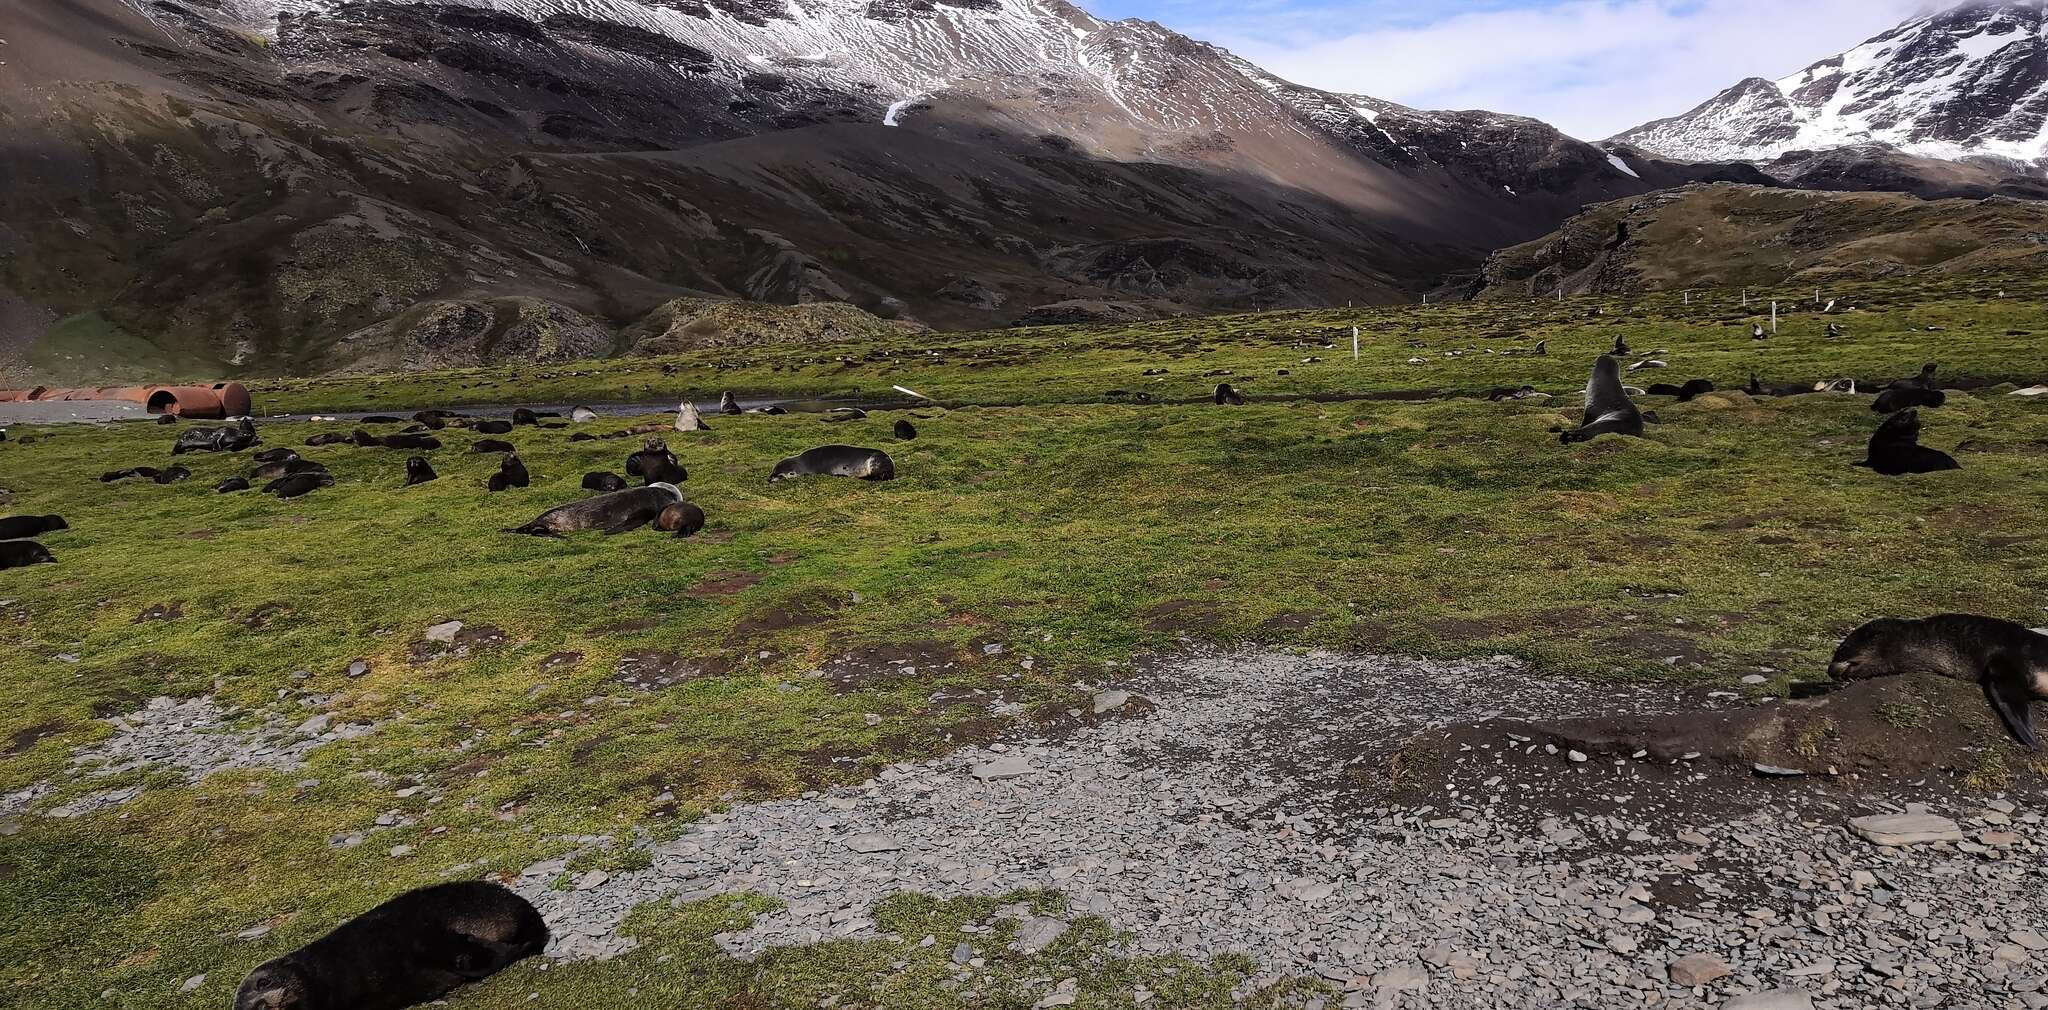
column 723, row 583
column 882, row 665
column 1182, row 617
column 261, row 615
column 2001, row 543
column 812, row 606
column 1676, row 651
column 160, row 612
column 1735, row 523
column 652, row 670
column 560, row 661
column 1460, row 629
column 1288, row 622
column 20, row 742
column 467, row 641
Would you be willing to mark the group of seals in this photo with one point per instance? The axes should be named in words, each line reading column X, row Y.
column 1608, row 408
column 2008, row 660
column 18, row 550
column 409, row 950
column 1918, row 391
column 1895, row 449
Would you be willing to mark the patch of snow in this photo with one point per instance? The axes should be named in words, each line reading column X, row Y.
column 1621, row 166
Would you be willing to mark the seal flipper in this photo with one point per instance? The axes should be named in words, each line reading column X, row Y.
column 2005, row 685
column 535, row 529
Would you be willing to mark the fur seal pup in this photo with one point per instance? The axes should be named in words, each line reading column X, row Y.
column 582, row 415
column 1226, row 395
column 1833, row 330
column 905, row 431
column 433, row 419
column 493, row 445
column 1756, row 332
column 328, row 438
column 382, row 419
column 231, row 484
column 728, row 403
column 681, row 519
column 2008, row 660
column 1608, row 408
column 277, row 455
column 295, row 485
column 844, row 414
column 837, row 461
column 522, row 415
column 655, row 464
column 688, row 418
column 161, row 419
column 772, row 409
column 1693, row 389
column 613, row 512
column 1895, row 448
column 410, row 950
column 398, row 441
column 233, row 438
column 1620, row 345
column 1917, row 391
column 23, row 553
column 511, row 473
column 603, row 481
column 492, row 427
column 134, row 471
column 1662, row 389
column 272, row 471
column 172, row 475
column 22, row 527
column 418, row 471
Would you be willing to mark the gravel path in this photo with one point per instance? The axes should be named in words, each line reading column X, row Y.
column 1237, row 817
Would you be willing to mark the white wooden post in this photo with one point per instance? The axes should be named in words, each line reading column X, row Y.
column 1774, row 316
column 1745, row 298
column 1354, row 343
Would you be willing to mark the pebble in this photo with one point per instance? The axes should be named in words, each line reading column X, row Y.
column 1694, row 970
column 1772, row 999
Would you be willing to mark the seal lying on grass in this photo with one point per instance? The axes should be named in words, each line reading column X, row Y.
column 612, row 512
column 409, row 950
column 23, row 553
column 681, row 519
column 603, row 481
column 2008, row 660
column 17, row 527
column 234, row 438
column 837, row 461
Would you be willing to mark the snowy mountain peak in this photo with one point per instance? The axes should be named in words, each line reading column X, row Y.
column 1968, row 81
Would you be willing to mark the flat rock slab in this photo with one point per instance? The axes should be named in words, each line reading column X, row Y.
column 1698, row 969
column 1775, row 999
column 873, row 841
column 1009, row 766
column 1905, row 829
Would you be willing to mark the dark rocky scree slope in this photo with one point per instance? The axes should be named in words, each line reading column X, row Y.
column 291, row 186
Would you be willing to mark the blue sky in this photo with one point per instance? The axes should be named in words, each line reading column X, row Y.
column 1592, row 67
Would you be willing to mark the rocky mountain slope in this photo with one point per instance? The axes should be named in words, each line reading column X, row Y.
column 1725, row 235
column 231, row 186
column 1969, row 83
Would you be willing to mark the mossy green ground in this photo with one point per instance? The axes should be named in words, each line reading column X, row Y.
column 1735, row 537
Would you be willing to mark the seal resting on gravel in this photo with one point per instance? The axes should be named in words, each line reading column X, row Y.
column 2009, row 661
column 1608, row 408
column 603, row 481
column 409, row 950
column 655, row 464
column 23, row 553
column 418, row 471
column 837, row 461
column 681, row 519
column 233, row 438
column 511, row 473
column 1895, row 448
column 613, row 512
column 19, row 527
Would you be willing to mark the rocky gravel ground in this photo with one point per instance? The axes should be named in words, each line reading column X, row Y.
column 1244, row 811
column 194, row 737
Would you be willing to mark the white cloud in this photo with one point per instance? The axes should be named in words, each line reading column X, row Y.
column 1591, row 67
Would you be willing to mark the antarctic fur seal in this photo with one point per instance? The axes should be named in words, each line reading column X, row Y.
column 231, row 484
column 409, row 950
column 582, row 415
column 728, row 403
column 328, row 438
column 297, row 484
column 233, row 438
column 837, row 461
column 603, row 481
column 655, row 464
column 492, row 427
column 418, row 471
column 511, row 473
column 2008, row 660
column 1224, row 394
column 172, row 475
column 21, row 527
column 382, row 419
column 1895, row 448
column 522, row 415
column 1693, row 389
column 277, row 455
column 681, row 519
column 1608, row 408
column 689, row 418
column 134, row 471
column 23, row 553
column 905, row 431
column 493, row 445
column 612, row 512
column 1894, row 400
column 272, row 471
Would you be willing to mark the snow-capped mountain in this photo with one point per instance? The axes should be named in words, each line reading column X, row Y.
column 1967, row 82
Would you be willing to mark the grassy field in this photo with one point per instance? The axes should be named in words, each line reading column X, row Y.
column 1735, row 538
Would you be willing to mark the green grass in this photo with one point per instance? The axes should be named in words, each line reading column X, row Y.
column 1736, row 536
